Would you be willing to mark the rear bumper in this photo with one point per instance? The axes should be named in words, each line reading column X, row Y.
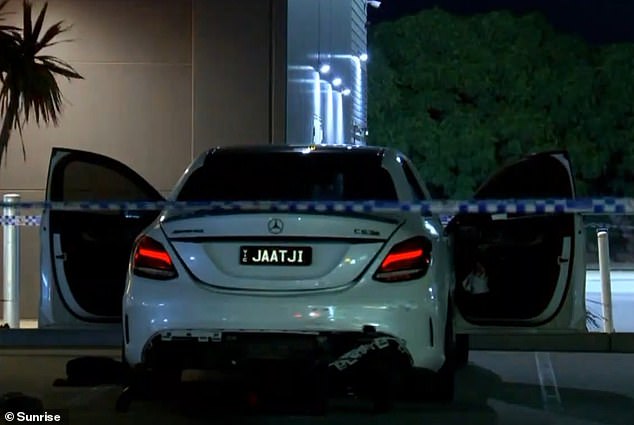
column 338, row 351
column 158, row 316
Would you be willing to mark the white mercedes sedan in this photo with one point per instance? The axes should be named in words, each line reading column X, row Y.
column 350, row 293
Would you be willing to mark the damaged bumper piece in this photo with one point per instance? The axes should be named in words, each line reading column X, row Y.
column 343, row 353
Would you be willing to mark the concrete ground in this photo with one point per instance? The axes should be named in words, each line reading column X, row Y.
column 496, row 388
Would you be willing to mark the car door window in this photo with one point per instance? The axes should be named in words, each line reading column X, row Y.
column 538, row 176
column 93, row 181
column 417, row 190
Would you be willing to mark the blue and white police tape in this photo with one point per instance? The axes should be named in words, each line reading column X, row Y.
column 441, row 207
column 35, row 220
column 20, row 220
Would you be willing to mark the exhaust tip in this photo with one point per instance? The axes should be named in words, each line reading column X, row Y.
column 369, row 329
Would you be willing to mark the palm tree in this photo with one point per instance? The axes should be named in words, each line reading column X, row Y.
column 6, row 40
column 29, row 85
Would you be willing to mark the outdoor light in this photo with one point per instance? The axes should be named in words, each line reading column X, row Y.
column 375, row 4
column 363, row 57
column 346, row 92
column 324, row 68
column 337, row 82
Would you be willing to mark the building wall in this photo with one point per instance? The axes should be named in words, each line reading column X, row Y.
column 303, row 42
column 359, row 43
column 164, row 80
column 237, row 71
column 325, row 32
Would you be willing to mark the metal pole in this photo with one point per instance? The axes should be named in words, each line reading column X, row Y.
column 606, row 286
column 11, row 264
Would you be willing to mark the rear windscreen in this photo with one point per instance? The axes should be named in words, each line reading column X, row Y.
column 289, row 176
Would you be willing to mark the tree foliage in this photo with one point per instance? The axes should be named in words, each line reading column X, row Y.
column 464, row 95
column 28, row 77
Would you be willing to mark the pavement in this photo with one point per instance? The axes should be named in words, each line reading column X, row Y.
column 496, row 388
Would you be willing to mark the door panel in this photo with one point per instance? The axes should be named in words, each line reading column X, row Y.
column 90, row 249
column 523, row 267
column 517, row 269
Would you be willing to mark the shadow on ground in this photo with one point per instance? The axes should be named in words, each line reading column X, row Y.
column 480, row 385
column 229, row 401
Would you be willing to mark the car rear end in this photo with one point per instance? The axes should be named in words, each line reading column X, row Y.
column 214, row 289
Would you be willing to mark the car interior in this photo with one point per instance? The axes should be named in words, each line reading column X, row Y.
column 520, row 257
column 520, row 254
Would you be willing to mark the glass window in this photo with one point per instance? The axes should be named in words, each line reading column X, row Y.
column 417, row 191
column 539, row 176
column 92, row 181
column 289, row 176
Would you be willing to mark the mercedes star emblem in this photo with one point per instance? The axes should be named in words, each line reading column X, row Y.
column 275, row 226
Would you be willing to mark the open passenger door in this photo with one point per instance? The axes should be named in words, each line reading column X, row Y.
column 521, row 270
column 85, row 254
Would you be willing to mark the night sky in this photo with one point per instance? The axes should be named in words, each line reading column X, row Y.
column 597, row 21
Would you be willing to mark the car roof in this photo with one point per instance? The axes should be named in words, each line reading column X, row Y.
column 353, row 149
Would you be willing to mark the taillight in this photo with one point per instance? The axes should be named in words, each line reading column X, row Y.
column 406, row 260
column 152, row 260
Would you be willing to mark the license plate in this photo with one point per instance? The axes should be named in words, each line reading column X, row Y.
column 276, row 255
